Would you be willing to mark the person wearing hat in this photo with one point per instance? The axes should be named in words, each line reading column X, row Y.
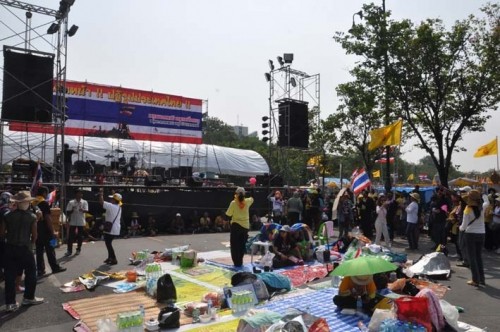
column 76, row 210
column 238, row 211
column 46, row 233
column 177, row 226
column 353, row 287
column 113, row 215
column 474, row 230
column 412, row 221
column 286, row 249
column 20, row 229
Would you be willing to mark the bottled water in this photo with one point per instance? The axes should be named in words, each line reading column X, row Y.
column 336, row 280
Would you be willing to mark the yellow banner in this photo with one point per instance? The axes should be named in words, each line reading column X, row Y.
column 376, row 174
column 388, row 135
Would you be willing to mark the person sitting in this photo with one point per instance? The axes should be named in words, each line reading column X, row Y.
column 221, row 224
column 177, row 226
column 286, row 250
column 135, row 226
column 353, row 287
column 151, row 230
column 205, row 224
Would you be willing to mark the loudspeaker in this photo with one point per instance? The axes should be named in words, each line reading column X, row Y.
column 160, row 171
column 293, row 124
column 153, row 180
column 27, row 85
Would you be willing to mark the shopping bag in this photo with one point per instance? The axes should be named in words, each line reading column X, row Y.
column 414, row 309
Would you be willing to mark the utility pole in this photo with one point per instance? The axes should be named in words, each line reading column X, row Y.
column 383, row 32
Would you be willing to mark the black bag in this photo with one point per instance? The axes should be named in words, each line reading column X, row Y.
column 243, row 278
column 169, row 318
column 108, row 225
column 165, row 290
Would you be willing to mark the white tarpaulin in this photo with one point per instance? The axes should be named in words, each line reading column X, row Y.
column 202, row 157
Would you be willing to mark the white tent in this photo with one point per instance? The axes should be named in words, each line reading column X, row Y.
column 202, row 157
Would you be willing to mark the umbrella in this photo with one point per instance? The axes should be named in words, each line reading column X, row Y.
column 364, row 265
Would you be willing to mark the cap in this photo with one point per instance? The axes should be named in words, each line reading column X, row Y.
column 178, row 215
column 465, row 189
column 117, row 197
column 285, row 228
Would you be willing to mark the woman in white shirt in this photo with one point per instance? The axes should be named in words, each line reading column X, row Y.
column 412, row 221
column 381, row 222
column 473, row 226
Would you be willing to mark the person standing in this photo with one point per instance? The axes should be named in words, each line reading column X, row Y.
column 45, row 235
column 4, row 210
column 381, row 222
column 20, row 228
column 278, row 205
column 412, row 221
column 474, row 230
column 113, row 215
column 238, row 211
column 295, row 208
column 76, row 210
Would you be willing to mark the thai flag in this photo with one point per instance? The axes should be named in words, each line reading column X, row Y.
column 52, row 197
column 37, row 180
column 353, row 175
column 360, row 182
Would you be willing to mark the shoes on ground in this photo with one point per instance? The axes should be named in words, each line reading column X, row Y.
column 41, row 274
column 472, row 283
column 112, row 262
column 106, row 261
column 34, row 301
column 67, row 254
column 482, row 283
column 11, row 307
column 77, row 252
column 462, row 264
column 59, row 269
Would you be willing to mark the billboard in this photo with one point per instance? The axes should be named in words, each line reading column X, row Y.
column 107, row 111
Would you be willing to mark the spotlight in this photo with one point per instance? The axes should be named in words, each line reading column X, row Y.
column 54, row 27
column 293, row 82
column 280, row 60
column 268, row 77
column 288, row 57
column 271, row 65
column 72, row 30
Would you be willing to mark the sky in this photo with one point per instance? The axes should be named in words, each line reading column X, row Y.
column 218, row 50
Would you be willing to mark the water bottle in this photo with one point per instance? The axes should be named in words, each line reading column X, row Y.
column 359, row 304
column 336, row 281
column 196, row 315
column 143, row 313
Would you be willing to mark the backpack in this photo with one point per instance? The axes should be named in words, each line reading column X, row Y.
column 165, row 289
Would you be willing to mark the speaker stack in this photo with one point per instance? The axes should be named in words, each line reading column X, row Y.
column 293, row 124
column 27, row 85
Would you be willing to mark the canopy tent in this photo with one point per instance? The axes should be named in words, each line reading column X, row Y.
column 202, row 157
column 460, row 182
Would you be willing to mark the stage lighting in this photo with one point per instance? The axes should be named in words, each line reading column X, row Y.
column 271, row 65
column 54, row 27
column 293, row 82
column 288, row 57
column 268, row 77
column 72, row 30
column 280, row 60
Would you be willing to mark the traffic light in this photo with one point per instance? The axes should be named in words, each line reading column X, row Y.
column 266, row 133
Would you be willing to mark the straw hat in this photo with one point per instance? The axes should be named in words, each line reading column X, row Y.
column 465, row 189
column 362, row 280
column 22, row 196
column 415, row 196
column 473, row 198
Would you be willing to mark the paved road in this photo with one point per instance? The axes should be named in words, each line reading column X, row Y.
column 481, row 305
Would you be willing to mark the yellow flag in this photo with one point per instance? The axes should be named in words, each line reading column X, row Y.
column 411, row 177
column 487, row 150
column 388, row 135
column 376, row 174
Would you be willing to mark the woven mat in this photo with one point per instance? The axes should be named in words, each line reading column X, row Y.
column 320, row 304
column 210, row 274
column 228, row 326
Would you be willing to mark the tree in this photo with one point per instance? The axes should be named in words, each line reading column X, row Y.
column 217, row 132
column 442, row 83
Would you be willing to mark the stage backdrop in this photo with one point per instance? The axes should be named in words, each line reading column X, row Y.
column 107, row 111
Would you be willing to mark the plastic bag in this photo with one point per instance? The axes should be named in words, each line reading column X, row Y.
column 378, row 317
column 267, row 260
column 414, row 309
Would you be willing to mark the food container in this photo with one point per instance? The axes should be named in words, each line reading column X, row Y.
column 131, row 276
column 205, row 318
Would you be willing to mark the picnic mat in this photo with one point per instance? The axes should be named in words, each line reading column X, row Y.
column 91, row 309
column 230, row 325
column 309, row 303
column 209, row 274
column 227, row 262
column 299, row 275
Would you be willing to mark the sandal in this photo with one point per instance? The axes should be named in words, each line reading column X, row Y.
column 472, row 283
